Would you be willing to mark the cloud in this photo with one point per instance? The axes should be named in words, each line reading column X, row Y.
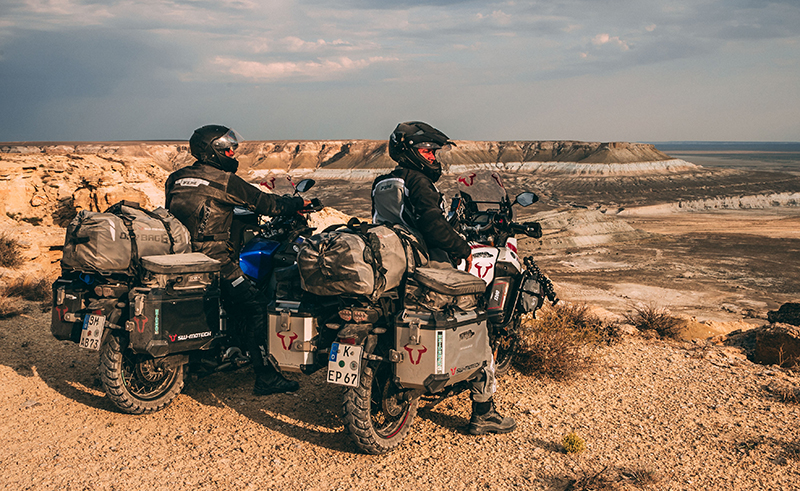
column 324, row 69
column 198, row 57
column 602, row 39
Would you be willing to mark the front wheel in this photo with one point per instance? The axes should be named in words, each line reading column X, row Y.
column 377, row 413
column 504, row 346
column 137, row 384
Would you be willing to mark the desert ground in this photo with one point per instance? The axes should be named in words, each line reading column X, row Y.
column 655, row 414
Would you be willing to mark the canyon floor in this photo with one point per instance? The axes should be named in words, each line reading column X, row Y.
column 655, row 414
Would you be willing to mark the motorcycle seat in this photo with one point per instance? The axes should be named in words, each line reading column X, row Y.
column 449, row 281
column 193, row 262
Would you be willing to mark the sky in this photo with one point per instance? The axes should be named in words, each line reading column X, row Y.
column 616, row 70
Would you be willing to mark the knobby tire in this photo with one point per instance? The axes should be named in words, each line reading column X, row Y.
column 124, row 376
column 373, row 428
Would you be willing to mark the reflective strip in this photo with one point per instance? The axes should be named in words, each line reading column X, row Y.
column 191, row 182
column 238, row 281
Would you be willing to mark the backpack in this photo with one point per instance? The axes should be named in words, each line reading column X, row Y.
column 114, row 241
column 364, row 260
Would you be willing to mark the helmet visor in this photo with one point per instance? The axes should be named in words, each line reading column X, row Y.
column 227, row 142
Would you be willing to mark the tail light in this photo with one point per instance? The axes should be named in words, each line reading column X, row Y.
column 354, row 315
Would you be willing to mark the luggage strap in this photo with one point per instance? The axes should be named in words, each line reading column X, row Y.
column 212, row 238
column 373, row 248
column 117, row 210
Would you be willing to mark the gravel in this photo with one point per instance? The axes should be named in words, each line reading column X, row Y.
column 675, row 415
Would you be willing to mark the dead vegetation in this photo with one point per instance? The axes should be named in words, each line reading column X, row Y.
column 652, row 319
column 556, row 344
column 10, row 251
column 10, row 307
column 13, row 296
column 608, row 479
column 33, row 289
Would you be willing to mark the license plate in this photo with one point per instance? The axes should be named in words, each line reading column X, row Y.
column 92, row 331
column 344, row 364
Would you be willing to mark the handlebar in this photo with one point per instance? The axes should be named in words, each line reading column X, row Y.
column 316, row 205
column 531, row 229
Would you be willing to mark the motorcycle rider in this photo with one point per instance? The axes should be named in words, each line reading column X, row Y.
column 408, row 196
column 202, row 196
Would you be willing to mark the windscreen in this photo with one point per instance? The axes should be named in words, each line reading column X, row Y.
column 485, row 186
column 278, row 183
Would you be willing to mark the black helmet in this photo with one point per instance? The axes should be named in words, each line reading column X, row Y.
column 214, row 145
column 408, row 138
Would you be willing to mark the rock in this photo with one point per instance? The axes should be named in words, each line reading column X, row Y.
column 777, row 344
column 788, row 313
column 38, row 200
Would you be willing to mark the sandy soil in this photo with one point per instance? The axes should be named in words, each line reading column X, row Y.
column 693, row 415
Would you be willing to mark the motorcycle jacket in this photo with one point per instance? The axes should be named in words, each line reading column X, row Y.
column 202, row 197
column 408, row 197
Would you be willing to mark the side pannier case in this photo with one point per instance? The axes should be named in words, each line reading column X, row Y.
column 435, row 350
column 177, row 308
column 292, row 337
column 69, row 297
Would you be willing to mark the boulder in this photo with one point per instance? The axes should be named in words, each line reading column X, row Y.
column 788, row 313
column 778, row 344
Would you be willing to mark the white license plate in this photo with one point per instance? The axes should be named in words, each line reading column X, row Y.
column 92, row 331
column 344, row 364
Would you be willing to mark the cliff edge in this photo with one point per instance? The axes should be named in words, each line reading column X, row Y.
column 339, row 155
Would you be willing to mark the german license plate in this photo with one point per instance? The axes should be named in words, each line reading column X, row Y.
column 344, row 364
column 92, row 331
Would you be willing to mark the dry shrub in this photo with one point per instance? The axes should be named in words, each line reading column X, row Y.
column 554, row 345
column 640, row 478
column 33, row 289
column 787, row 394
column 10, row 251
column 649, row 318
column 10, row 307
column 599, row 481
column 791, row 451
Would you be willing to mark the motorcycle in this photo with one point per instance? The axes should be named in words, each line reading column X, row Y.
column 392, row 350
column 483, row 214
column 154, row 328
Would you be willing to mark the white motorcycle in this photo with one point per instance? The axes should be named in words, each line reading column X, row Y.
column 483, row 214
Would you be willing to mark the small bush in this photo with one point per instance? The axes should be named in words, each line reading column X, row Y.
column 10, row 307
column 640, row 478
column 573, row 443
column 554, row 345
column 10, row 251
column 791, row 451
column 787, row 394
column 35, row 290
column 649, row 318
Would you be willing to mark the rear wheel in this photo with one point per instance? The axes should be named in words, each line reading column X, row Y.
column 137, row 384
column 377, row 413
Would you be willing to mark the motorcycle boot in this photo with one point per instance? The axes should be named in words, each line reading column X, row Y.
column 486, row 419
column 269, row 381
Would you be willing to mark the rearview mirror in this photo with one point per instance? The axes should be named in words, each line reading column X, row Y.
column 526, row 199
column 305, row 185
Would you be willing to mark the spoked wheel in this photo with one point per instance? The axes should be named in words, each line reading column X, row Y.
column 137, row 383
column 377, row 413
column 504, row 346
